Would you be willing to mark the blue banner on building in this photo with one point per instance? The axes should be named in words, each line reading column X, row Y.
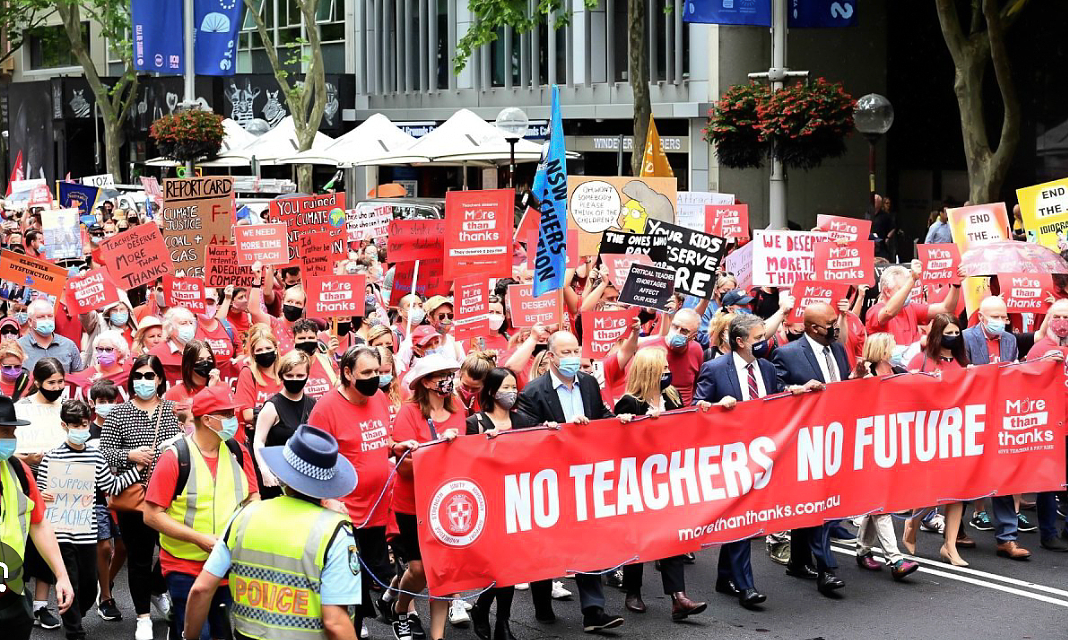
column 754, row 13
column 805, row 14
column 550, row 188
column 78, row 196
column 217, row 23
column 157, row 35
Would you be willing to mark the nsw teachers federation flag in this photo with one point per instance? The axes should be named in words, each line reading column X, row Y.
column 550, row 188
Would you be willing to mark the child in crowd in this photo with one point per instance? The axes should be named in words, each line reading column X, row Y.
column 110, row 550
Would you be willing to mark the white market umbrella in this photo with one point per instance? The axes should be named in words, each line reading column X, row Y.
column 374, row 137
column 268, row 149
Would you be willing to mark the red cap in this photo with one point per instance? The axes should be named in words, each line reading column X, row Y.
column 213, row 400
column 423, row 333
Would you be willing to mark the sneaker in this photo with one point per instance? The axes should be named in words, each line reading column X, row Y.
column 364, row 633
column 418, row 633
column 934, row 524
column 162, row 605
column 522, row 586
column 981, row 521
column 778, row 549
column 1023, row 524
column 458, row 614
column 467, row 605
column 615, row 579
column 45, row 619
column 402, row 627
column 559, row 592
column 144, row 629
column 107, row 610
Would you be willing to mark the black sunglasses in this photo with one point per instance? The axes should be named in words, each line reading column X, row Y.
column 136, row 375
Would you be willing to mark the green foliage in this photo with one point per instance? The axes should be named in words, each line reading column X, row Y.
column 188, row 136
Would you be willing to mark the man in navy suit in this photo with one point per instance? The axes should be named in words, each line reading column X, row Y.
column 817, row 358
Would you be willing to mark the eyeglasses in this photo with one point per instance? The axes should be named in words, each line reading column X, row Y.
column 13, row 332
column 137, row 375
column 106, row 349
column 445, row 316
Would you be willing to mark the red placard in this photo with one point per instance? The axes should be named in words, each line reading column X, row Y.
column 37, row 274
column 478, row 233
column 940, row 263
column 1026, row 292
column 601, row 329
column 842, row 228
column 136, row 256
column 528, row 311
column 317, row 253
column 221, row 268
column 90, row 291
column 573, row 259
column 808, row 292
column 617, row 266
column 184, row 292
column 431, row 280
column 41, row 196
column 531, row 221
column 416, row 240
column 305, row 214
column 263, row 243
column 472, row 308
column 853, row 263
column 730, row 221
column 335, row 296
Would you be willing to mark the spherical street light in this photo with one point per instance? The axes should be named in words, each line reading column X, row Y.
column 873, row 117
column 513, row 124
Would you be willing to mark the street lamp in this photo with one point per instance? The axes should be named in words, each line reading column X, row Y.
column 513, row 124
column 873, row 116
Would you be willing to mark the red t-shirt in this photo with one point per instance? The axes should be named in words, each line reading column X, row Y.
column 1043, row 346
column 920, row 362
column 993, row 350
column 241, row 321
column 411, row 425
column 684, row 365
column 320, row 381
column 250, row 395
column 362, row 434
column 856, row 338
column 221, row 345
column 181, row 396
column 905, row 326
column 78, row 384
column 615, row 380
column 170, row 355
column 67, row 325
column 160, row 492
column 283, row 332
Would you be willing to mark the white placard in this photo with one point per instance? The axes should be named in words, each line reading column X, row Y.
column 690, row 207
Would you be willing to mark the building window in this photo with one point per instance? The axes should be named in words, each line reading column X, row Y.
column 49, row 47
column 285, row 24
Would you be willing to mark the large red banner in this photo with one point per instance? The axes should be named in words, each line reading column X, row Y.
column 478, row 233
column 585, row 498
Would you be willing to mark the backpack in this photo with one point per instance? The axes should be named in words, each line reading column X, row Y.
column 181, row 447
column 229, row 330
column 19, row 470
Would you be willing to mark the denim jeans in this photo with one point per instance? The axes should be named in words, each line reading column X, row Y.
column 217, row 626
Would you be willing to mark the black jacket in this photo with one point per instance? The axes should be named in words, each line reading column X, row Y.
column 539, row 403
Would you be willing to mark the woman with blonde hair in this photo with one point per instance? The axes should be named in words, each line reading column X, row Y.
column 389, row 383
column 381, row 335
column 878, row 351
column 14, row 378
column 149, row 334
column 258, row 379
column 719, row 343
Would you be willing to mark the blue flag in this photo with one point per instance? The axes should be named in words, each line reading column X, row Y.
column 156, row 45
column 550, row 188
column 78, row 196
column 735, row 12
column 822, row 13
column 217, row 23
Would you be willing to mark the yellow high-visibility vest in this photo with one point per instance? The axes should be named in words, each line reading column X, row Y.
column 14, row 526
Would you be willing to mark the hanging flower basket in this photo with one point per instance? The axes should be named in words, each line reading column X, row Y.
column 803, row 124
column 188, row 136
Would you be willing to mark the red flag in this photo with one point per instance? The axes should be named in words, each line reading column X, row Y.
column 17, row 173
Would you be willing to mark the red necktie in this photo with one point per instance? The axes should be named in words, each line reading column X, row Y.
column 754, row 390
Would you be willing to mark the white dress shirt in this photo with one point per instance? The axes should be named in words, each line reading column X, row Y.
column 821, row 359
column 742, row 367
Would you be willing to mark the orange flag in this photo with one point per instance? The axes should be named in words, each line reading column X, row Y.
column 654, row 161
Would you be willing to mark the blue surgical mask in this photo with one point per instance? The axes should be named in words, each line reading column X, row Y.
column 103, row 409
column 7, row 448
column 144, row 389
column 22, row 317
column 45, row 327
column 78, row 436
column 384, row 380
column 676, row 340
column 119, row 318
column 994, row 326
column 187, row 332
column 229, row 428
column 569, row 367
column 435, row 350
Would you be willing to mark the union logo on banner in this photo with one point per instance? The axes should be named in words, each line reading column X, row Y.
column 458, row 513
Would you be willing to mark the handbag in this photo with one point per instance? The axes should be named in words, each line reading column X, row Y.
column 132, row 498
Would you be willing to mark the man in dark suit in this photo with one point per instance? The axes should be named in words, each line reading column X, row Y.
column 565, row 394
column 817, row 358
column 725, row 381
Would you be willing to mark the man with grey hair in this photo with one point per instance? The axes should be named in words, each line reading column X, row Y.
column 42, row 341
column 894, row 313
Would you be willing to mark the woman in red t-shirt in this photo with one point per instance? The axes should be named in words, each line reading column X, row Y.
column 258, row 380
column 390, row 384
column 433, row 413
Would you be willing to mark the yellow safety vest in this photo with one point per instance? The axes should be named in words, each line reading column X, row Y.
column 278, row 551
column 14, row 526
column 206, row 503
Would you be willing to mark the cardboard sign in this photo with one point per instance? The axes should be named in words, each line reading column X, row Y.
column 781, row 258
column 690, row 207
column 184, row 292
column 267, row 244
column 221, row 268
column 601, row 330
column 90, row 291
column 842, row 228
column 597, row 204
column 73, row 487
column 853, row 263
column 648, row 286
column 369, row 220
column 979, row 224
column 478, row 233
column 41, row 196
column 62, row 234
column 528, row 311
column 652, row 245
column 727, row 221
column 1026, row 292
column 472, row 308
column 693, row 256
column 44, row 432
column 335, row 296
column 196, row 214
column 617, row 266
column 1044, row 210
column 431, row 280
column 137, row 256
column 416, row 240
column 306, row 214
column 105, row 180
column 940, row 263
column 807, row 292
column 24, row 271
column 740, row 264
column 317, row 253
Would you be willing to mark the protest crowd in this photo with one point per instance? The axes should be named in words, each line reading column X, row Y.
column 244, row 445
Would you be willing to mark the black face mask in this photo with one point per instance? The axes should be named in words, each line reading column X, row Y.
column 203, row 369
column 295, row 386
column 760, row 349
column 343, row 329
column 791, row 336
column 265, row 359
column 950, row 341
column 829, row 336
column 50, row 394
column 291, row 312
column 308, row 346
column 665, row 381
column 367, row 387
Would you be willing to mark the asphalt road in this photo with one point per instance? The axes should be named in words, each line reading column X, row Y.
column 993, row 598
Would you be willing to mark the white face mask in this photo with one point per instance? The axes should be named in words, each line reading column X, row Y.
column 496, row 321
column 416, row 315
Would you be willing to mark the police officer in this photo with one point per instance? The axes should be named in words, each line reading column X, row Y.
column 21, row 515
column 293, row 564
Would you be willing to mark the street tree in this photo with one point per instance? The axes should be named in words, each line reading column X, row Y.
column 974, row 47
column 19, row 19
column 489, row 16
column 305, row 98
